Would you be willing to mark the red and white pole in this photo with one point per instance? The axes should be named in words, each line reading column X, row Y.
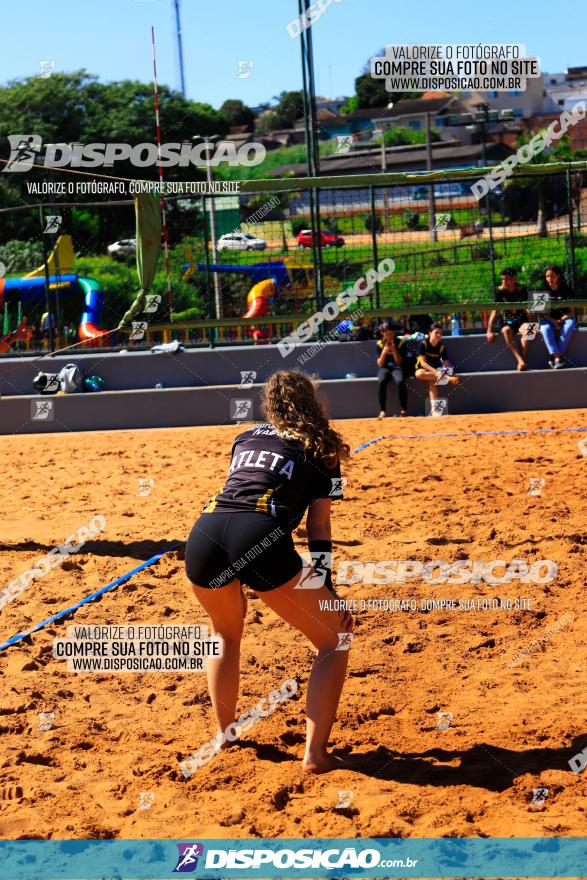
column 163, row 213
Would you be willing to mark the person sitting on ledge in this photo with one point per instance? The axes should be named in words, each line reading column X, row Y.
column 512, row 321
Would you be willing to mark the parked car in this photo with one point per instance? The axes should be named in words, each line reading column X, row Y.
column 329, row 239
column 127, row 247
column 240, row 241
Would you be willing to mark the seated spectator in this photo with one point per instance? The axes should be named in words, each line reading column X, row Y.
column 556, row 324
column 391, row 363
column 361, row 331
column 512, row 321
column 433, row 365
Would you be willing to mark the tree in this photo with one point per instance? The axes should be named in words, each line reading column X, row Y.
column 559, row 151
column 77, row 108
column 397, row 137
column 289, row 108
column 237, row 113
column 371, row 92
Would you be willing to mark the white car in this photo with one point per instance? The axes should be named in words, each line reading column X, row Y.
column 127, row 247
column 240, row 241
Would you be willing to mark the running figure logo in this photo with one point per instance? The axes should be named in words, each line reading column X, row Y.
column 53, row 222
column 337, row 486
column 138, row 330
column 245, row 68
column 42, row 410
column 187, row 861
column 146, row 800
column 316, row 567
column 530, row 331
column 344, row 641
column 247, row 378
column 152, row 303
column 46, row 69
column 24, row 148
column 539, row 301
column 441, row 222
column 536, row 485
column 46, row 720
column 438, row 407
column 539, row 796
column 345, row 142
column 445, row 374
column 444, row 719
column 241, row 409
column 145, row 486
column 345, row 799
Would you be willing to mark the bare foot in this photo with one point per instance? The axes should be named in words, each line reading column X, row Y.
column 522, row 366
column 325, row 763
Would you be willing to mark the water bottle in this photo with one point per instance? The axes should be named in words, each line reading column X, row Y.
column 455, row 326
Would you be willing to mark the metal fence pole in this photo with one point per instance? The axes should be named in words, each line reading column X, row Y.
column 571, row 229
column 50, row 326
column 209, row 300
column 374, row 244
column 491, row 248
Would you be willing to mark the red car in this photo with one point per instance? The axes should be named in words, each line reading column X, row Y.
column 329, row 239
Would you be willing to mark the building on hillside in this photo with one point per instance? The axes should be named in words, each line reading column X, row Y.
column 412, row 112
column 332, row 104
column 445, row 154
column 524, row 104
column 564, row 90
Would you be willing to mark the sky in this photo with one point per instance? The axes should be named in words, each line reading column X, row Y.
column 112, row 39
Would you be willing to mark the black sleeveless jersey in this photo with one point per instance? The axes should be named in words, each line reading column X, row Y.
column 271, row 473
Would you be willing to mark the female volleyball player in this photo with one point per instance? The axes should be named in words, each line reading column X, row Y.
column 432, row 365
column 277, row 472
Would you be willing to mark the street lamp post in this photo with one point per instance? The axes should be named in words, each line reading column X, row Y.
column 209, row 140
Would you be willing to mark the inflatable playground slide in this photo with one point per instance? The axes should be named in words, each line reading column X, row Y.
column 28, row 291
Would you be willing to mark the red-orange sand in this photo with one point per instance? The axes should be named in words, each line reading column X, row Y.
column 114, row 735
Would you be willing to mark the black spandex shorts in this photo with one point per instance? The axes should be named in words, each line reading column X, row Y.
column 249, row 546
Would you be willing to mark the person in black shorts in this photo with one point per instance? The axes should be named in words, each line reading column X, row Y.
column 513, row 320
column 277, row 471
column 393, row 365
column 433, row 365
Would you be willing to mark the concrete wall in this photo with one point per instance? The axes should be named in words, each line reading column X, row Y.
column 355, row 398
column 222, row 366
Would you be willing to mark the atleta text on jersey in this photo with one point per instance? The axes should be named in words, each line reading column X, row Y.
column 270, row 472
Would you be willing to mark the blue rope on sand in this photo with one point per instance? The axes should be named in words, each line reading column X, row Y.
column 100, row 592
column 464, row 434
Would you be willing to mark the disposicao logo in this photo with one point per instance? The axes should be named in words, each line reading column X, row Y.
column 187, row 860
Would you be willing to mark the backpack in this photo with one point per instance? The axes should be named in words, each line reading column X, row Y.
column 70, row 379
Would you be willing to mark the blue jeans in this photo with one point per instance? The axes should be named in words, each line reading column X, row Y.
column 557, row 344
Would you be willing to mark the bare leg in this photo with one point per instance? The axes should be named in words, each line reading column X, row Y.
column 226, row 606
column 510, row 341
column 426, row 374
column 301, row 608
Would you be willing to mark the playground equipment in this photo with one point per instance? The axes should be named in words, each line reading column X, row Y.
column 29, row 290
column 269, row 280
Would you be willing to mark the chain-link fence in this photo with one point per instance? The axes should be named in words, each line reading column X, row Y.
column 248, row 268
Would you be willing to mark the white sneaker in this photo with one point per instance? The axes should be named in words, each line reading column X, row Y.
column 381, row 414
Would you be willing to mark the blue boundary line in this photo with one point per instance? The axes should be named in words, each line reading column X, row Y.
column 464, row 434
column 120, row 580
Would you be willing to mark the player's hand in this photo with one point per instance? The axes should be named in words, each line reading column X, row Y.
column 346, row 621
column 490, row 335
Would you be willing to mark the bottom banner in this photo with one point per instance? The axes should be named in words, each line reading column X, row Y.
column 308, row 858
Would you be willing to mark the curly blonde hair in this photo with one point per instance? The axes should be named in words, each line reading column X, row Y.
column 291, row 405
